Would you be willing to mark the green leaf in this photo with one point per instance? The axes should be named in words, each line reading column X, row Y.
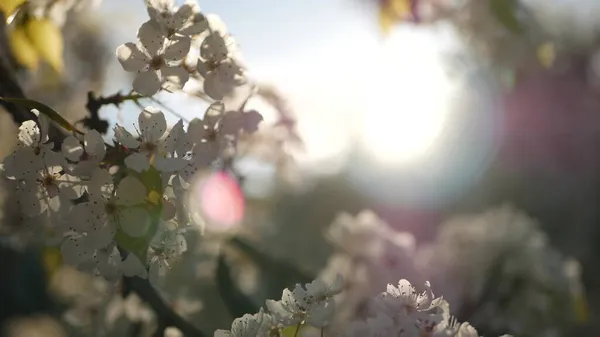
column 277, row 274
column 136, row 246
column 291, row 331
column 236, row 301
column 139, row 246
column 44, row 109
column 505, row 12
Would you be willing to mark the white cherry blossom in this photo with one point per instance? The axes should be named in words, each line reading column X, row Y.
column 184, row 20
column 156, row 59
column 248, row 326
column 85, row 156
column 108, row 210
column 153, row 146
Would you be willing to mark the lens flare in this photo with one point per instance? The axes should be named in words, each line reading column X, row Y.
column 219, row 200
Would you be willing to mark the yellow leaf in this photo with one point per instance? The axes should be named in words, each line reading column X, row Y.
column 546, row 54
column 47, row 39
column 52, row 259
column 22, row 49
column 8, row 6
column 391, row 12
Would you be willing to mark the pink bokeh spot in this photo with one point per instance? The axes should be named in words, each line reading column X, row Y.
column 222, row 201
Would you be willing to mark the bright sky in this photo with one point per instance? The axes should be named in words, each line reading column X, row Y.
column 343, row 81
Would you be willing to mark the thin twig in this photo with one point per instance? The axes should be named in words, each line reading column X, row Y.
column 95, row 103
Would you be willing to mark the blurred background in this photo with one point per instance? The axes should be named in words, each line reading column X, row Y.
column 471, row 127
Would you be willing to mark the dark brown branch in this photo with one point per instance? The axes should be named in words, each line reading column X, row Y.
column 94, row 104
column 166, row 316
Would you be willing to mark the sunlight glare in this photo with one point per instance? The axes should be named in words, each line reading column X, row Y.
column 409, row 95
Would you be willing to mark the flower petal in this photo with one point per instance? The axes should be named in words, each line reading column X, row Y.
column 138, row 162
column 29, row 133
column 134, row 221
column 130, row 192
column 72, row 148
column 198, row 24
column 125, row 138
column 132, row 59
column 100, row 237
column 153, row 124
column 169, row 164
column 175, row 77
column 176, row 135
column 147, row 83
column 94, row 144
column 177, row 49
column 151, row 37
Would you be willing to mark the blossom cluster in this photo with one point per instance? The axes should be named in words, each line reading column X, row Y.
column 399, row 311
column 171, row 37
column 121, row 210
column 99, row 208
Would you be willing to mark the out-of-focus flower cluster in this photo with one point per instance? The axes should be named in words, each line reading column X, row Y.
column 497, row 268
column 399, row 311
column 500, row 267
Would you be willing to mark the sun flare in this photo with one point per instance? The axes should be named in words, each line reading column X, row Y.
column 409, row 98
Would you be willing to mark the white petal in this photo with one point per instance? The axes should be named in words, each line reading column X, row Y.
column 214, row 48
column 153, row 124
column 131, row 58
column 22, row 164
column 94, row 144
column 100, row 184
column 321, row 315
column 176, row 50
column 182, row 16
column 72, row 148
column 100, row 237
column 29, row 133
column 147, row 83
column 138, row 162
column 69, row 188
column 82, row 218
column 151, row 37
column 175, row 77
column 74, row 251
column 170, row 164
column 125, row 138
column 198, row 25
column 134, row 221
column 130, row 192
column 30, row 202
column 175, row 136
column 132, row 266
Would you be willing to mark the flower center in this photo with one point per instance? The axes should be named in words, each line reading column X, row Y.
column 48, row 180
column 148, row 147
column 157, row 63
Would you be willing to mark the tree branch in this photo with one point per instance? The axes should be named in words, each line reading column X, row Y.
column 166, row 316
